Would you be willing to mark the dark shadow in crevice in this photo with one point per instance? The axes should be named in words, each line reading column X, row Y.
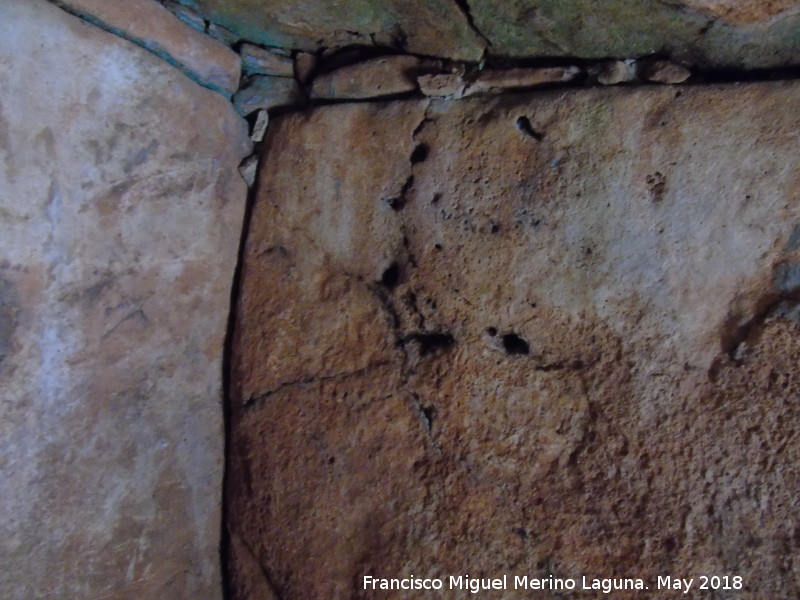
column 227, row 382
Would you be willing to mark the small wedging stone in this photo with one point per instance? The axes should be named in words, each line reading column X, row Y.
column 264, row 92
column 613, row 72
column 304, row 65
column 154, row 27
column 663, row 71
column 374, row 78
column 260, row 127
column 446, row 85
column 249, row 170
column 260, row 61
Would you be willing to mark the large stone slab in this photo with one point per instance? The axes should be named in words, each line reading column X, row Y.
column 432, row 27
column 722, row 34
column 708, row 33
column 543, row 334
column 150, row 25
column 120, row 214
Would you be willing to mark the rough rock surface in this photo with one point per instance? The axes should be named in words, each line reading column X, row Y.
column 264, row 92
column 663, row 71
column 687, row 30
column 384, row 76
column 150, row 25
column 120, row 213
column 432, row 27
column 536, row 334
column 706, row 33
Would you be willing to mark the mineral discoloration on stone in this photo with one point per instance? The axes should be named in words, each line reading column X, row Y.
column 538, row 357
column 704, row 33
column 151, row 25
column 432, row 27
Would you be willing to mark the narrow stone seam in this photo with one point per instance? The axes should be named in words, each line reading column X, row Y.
column 314, row 379
column 151, row 47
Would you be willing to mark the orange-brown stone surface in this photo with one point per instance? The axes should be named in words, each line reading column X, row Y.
column 543, row 334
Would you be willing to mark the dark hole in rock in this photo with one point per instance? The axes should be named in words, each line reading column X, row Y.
column 431, row 342
column 513, row 344
column 391, row 276
column 524, row 125
column 419, row 154
column 429, row 412
column 492, row 331
column 396, row 203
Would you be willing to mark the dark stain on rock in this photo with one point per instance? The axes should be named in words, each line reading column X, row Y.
column 794, row 240
column 46, row 138
column 5, row 146
column 9, row 318
column 656, row 186
column 432, row 342
column 136, row 159
column 787, row 278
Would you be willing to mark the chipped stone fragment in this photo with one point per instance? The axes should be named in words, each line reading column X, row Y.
column 304, row 65
column 612, row 72
column 663, row 71
column 152, row 26
column 260, row 61
column 446, row 85
column 260, row 127
column 249, row 170
column 385, row 76
column 264, row 92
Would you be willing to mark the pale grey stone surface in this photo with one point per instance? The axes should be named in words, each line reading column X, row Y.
column 120, row 214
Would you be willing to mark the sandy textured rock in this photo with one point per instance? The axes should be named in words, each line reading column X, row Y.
column 467, row 346
column 120, row 214
column 385, row 76
column 152, row 26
